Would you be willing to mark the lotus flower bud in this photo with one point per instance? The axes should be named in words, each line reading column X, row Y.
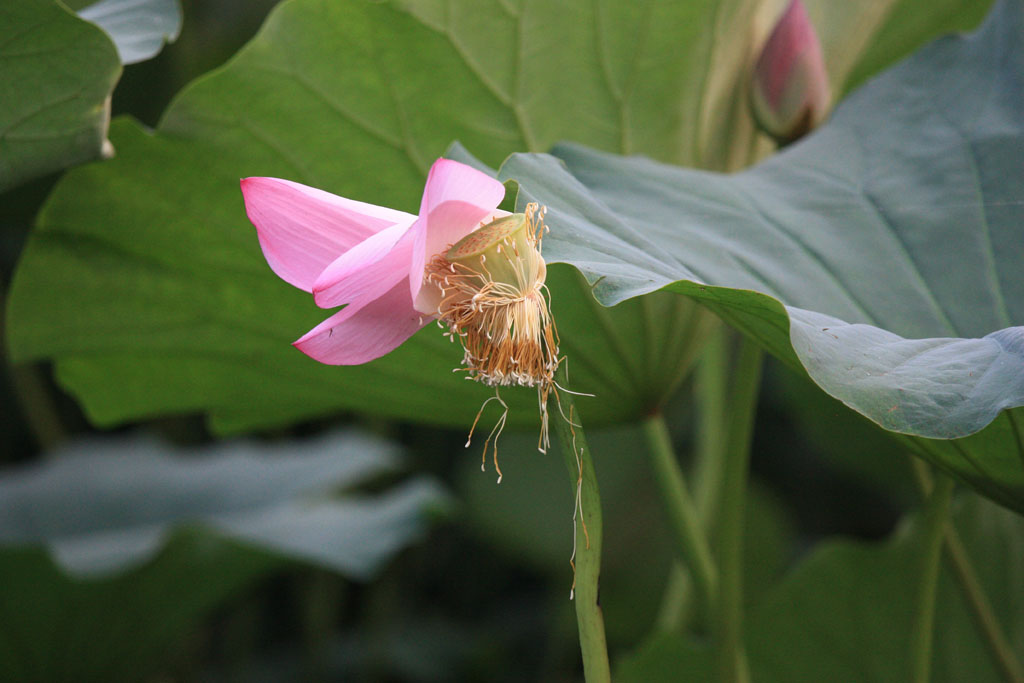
column 790, row 91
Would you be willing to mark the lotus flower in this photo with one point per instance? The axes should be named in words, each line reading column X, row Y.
column 790, row 91
column 368, row 257
column 462, row 260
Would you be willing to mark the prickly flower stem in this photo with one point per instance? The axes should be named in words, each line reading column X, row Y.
column 587, row 560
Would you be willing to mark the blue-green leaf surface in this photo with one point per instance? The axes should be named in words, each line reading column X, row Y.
column 166, row 537
column 139, row 28
column 882, row 254
column 104, row 508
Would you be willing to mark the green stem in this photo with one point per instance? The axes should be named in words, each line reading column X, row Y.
column 587, row 566
column 741, row 409
column 38, row 407
column 936, row 517
column 709, row 393
column 674, row 611
column 712, row 379
column 34, row 396
column 980, row 606
column 973, row 592
column 691, row 542
column 651, row 345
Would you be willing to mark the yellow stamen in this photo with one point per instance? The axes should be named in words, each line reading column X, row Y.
column 493, row 298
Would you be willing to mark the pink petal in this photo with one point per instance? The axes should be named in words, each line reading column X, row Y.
column 792, row 40
column 302, row 229
column 456, row 198
column 367, row 270
column 790, row 93
column 364, row 330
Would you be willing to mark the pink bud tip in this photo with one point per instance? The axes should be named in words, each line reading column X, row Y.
column 790, row 90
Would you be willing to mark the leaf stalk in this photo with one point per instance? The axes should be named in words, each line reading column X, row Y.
column 935, row 519
column 690, row 540
column 741, row 408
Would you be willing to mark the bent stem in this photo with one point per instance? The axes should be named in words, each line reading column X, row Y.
column 936, row 516
column 587, row 566
column 741, row 409
column 981, row 608
column 691, row 543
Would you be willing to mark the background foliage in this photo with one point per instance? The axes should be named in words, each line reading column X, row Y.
column 139, row 279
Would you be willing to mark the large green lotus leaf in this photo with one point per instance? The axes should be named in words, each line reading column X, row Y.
column 55, row 84
column 58, row 74
column 882, row 254
column 843, row 613
column 130, row 522
column 144, row 280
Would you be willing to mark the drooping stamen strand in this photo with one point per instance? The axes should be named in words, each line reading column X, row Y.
column 492, row 296
column 496, row 431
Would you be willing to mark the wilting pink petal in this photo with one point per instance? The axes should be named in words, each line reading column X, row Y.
column 791, row 93
column 368, row 269
column 364, row 330
column 302, row 229
column 456, row 198
column 348, row 252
